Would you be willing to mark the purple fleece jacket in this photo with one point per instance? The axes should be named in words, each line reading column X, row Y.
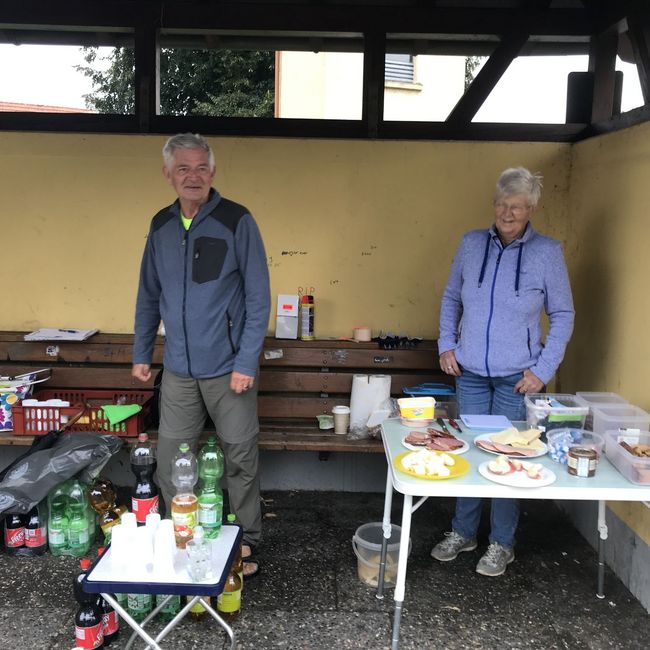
column 492, row 304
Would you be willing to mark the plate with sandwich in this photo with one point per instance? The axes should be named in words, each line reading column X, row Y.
column 512, row 442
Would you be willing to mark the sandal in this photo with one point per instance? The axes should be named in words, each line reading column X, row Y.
column 251, row 561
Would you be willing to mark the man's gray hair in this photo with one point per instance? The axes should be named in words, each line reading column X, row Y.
column 186, row 141
column 518, row 180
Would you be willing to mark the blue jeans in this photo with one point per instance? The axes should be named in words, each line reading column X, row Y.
column 489, row 396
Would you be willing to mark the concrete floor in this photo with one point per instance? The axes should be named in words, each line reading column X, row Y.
column 308, row 596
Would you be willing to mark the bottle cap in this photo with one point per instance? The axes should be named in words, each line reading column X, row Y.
column 231, row 518
column 84, row 563
column 184, row 447
column 143, row 437
column 212, row 440
column 100, row 551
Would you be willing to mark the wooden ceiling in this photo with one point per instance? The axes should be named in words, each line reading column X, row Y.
column 502, row 29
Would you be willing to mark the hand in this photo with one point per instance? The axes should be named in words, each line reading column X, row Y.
column 529, row 383
column 448, row 363
column 240, row 383
column 141, row 371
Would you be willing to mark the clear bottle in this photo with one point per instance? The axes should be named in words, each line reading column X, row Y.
column 211, row 465
column 184, row 507
column 145, row 498
column 170, row 610
column 199, row 556
column 139, row 606
column 88, row 622
column 238, row 564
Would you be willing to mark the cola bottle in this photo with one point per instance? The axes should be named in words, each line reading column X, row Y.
column 14, row 534
column 110, row 619
column 145, row 494
column 35, row 532
column 88, row 621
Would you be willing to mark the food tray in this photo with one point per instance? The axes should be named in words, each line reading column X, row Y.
column 569, row 412
column 39, row 420
column 636, row 469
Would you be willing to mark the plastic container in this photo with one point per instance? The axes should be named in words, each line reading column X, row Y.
column 636, row 469
column 547, row 411
column 623, row 416
column 414, row 408
column 366, row 545
column 594, row 399
column 561, row 440
column 39, row 420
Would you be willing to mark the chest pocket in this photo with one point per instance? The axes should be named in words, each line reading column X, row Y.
column 208, row 257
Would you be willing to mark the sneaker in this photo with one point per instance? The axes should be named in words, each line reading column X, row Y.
column 495, row 560
column 451, row 546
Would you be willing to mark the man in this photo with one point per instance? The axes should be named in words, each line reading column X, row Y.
column 204, row 273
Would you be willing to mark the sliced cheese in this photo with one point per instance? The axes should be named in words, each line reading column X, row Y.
column 514, row 438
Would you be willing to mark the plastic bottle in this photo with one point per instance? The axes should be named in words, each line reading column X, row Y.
column 14, row 534
column 81, row 517
column 211, row 464
column 239, row 558
column 229, row 600
column 101, row 495
column 184, row 508
column 139, row 606
column 110, row 619
column 197, row 611
column 88, row 621
column 307, row 318
column 170, row 610
column 58, row 523
column 145, row 497
column 35, row 532
column 198, row 556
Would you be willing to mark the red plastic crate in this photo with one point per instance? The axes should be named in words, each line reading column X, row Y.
column 39, row 420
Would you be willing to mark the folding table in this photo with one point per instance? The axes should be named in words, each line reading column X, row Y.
column 103, row 578
column 607, row 485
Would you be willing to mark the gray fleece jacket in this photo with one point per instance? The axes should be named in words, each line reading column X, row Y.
column 492, row 304
column 210, row 286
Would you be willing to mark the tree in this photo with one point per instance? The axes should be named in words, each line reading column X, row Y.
column 471, row 63
column 192, row 82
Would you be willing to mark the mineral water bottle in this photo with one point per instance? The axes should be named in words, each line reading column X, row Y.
column 58, row 528
column 185, row 504
column 139, row 606
column 211, row 464
column 145, row 493
column 170, row 610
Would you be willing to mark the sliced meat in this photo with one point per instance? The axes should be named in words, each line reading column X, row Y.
column 445, row 444
column 498, row 448
column 417, row 438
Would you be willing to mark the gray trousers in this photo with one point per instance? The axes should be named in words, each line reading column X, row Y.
column 185, row 404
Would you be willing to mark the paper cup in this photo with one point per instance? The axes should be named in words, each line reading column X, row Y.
column 341, row 419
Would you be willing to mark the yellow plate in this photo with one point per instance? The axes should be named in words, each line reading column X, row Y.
column 460, row 468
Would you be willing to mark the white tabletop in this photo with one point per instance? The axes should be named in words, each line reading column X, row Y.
column 607, row 485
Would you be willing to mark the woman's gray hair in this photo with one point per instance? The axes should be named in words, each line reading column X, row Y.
column 186, row 141
column 518, row 180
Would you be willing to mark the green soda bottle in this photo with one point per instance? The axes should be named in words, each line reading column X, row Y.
column 170, row 610
column 211, row 464
column 139, row 606
column 79, row 540
column 58, row 524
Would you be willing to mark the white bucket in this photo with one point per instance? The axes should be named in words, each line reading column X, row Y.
column 366, row 544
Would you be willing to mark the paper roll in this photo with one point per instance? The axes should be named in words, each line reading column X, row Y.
column 360, row 334
column 369, row 393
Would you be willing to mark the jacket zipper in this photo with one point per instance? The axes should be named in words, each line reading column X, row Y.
column 530, row 354
column 187, row 347
column 487, row 331
column 229, row 324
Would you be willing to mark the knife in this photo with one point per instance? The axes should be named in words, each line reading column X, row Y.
column 443, row 426
column 455, row 425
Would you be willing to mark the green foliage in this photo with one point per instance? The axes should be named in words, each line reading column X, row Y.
column 192, row 82
column 471, row 63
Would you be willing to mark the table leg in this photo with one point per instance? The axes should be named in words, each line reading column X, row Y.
column 387, row 529
column 221, row 622
column 135, row 626
column 401, row 568
column 602, row 538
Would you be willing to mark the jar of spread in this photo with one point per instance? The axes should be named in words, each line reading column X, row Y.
column 582, row 461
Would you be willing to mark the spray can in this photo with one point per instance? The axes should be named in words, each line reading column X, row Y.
column 307, row 318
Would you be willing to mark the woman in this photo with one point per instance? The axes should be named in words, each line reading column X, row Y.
column 490, row 339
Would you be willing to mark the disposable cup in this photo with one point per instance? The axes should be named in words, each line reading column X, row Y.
column 341, row 419
column 119, row 547
column 152, row 521
column 128, row 520
column 164, row 550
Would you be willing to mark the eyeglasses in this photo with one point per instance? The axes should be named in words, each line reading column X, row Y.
column 516, row 209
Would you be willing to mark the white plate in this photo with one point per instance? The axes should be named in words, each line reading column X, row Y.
column 488, row 438
column 518, row 479
column 460, row 450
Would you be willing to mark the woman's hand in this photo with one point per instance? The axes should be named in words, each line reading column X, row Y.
column 529, row 383
column 448, row 363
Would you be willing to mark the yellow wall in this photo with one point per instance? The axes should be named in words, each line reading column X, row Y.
column 369, row 227
column 610, row 268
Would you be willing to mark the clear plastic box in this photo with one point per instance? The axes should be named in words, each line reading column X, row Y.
column 561, row 440
column 623, row 416
column 594, row 399
column 636, row 469
column 547, row 411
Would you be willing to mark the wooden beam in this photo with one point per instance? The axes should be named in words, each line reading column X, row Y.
column 638, row 21
column 602, row 63
column 147, row 73
column 489, row 75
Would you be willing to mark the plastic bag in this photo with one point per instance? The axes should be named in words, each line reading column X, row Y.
column 83, row 454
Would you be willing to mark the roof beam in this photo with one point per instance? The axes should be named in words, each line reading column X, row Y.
column 602, row 63
column 638, row 21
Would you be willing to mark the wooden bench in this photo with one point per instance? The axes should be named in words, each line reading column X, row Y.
column 298, row 379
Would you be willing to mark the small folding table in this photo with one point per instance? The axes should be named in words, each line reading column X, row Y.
column 104, row 579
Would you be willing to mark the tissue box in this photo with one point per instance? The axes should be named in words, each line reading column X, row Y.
column 286, row 321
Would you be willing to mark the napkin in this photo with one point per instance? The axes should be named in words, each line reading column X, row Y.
column 117, row 413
